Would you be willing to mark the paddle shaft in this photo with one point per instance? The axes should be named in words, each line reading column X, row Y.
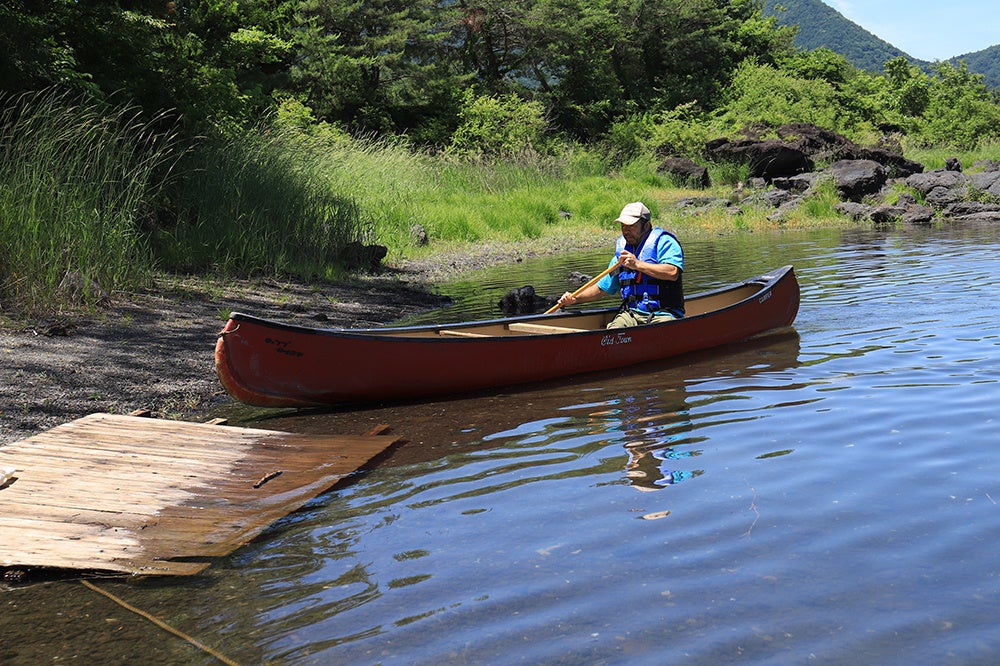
column 594, row 280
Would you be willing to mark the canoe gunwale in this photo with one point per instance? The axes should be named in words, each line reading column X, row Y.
column 764, row 282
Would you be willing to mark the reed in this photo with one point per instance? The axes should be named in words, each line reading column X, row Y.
column 474, row 198
column 74, row 178
column 97, row 195
column 257, row 203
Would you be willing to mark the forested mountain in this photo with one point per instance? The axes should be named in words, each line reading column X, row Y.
column 985, row 62
column 823, row 26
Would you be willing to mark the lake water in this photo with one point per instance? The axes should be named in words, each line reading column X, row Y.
column 828, row 495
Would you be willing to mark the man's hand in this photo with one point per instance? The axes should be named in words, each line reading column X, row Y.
column 567, row 299
column 658, row 271
column 629, row 260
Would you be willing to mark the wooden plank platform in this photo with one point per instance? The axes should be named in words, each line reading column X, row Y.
column 140, row 496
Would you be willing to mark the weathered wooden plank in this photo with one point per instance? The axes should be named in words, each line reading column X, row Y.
column 106, row 448
column 83, row 515
column 68, row 446
column 127, row 494
column 83, row 501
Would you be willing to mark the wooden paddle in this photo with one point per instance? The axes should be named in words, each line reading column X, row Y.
column 594, row 280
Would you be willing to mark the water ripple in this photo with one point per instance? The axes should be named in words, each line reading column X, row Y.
column 831, row 496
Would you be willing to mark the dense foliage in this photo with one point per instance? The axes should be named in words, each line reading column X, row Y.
column 492, row 77
column 386, row 66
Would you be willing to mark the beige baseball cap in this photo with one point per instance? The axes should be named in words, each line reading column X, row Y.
column 633, row 212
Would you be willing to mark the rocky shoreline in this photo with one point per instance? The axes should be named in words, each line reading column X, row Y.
column 872, row 182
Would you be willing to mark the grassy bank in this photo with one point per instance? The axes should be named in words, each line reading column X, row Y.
column 74, row 183
column 93, row 200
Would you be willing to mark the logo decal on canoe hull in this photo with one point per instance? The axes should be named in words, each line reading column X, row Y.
column 621, row 338
column 282, row 347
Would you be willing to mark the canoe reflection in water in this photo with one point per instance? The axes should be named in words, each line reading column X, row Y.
column 654, row 418
column 659, row 421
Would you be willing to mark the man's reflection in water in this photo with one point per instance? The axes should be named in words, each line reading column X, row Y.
column 652, row 468
column 655, row 427
column 650, row 412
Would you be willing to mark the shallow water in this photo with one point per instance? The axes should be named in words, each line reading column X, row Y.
column 829, row 496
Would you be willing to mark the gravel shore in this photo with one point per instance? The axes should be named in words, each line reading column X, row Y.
column 154, row 350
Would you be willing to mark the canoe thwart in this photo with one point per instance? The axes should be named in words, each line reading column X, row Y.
column 462, row 334
column 526, row 327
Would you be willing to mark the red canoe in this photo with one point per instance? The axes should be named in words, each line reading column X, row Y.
column 267, row 363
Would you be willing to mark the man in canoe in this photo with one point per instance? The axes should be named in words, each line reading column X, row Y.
column 650, row 267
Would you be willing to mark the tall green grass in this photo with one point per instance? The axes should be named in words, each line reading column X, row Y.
column 469, row 198
column 74, row 179
column 98, row 194
column 258, row 203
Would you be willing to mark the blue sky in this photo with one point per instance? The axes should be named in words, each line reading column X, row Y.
column 927, row 29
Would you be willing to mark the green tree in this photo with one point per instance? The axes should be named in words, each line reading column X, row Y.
column 859, row 95
column 555, row 51
column 764, row 95
column 758, row 34
column 222, row 61
column 498, row 125
column 34, row 56
column 821, row 63
column 560, row 52
column 961, row 111
column 670, row 52
column 908, row 86
column 208, row 60
column 376, row 66
column 593, row 62
column 95, row 46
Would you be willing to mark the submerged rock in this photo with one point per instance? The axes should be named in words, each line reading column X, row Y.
column 524, row 300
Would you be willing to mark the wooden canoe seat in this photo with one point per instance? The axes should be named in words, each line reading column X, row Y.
column 526, row 327
column 463, row 334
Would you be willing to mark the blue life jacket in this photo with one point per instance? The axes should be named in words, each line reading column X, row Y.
column 643, row 292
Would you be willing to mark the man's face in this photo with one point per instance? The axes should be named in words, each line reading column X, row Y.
column 633, row 233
